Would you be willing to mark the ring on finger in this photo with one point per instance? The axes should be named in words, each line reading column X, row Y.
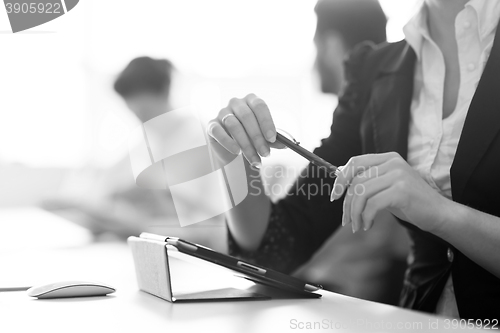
column 225, row 117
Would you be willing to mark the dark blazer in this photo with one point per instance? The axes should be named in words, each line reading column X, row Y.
column 373, row 117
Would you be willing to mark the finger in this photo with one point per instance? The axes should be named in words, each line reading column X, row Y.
column 236, row 130
column 263, row 115
column 368, row 224
column 360, row 164
column 346, row 215
column 356, row 191
column 362, row 193
column 356, row 187
column 339, row 189
column 218, row 133
column 247, row 118
column 376, row 203
column 372, row 172
column 277, row 145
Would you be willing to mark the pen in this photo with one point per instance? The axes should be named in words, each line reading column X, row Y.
column 313, row 158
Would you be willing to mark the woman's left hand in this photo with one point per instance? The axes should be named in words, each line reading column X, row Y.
column 376, row 182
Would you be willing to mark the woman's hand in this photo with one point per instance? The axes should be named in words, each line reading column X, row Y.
column 245, row 125
column 376, row 182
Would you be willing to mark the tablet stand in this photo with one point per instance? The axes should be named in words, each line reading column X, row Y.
column 155, row 276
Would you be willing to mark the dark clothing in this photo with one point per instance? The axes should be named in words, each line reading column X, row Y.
column 373, row 117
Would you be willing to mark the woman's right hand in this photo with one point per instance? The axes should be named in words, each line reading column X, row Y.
column 245, row 125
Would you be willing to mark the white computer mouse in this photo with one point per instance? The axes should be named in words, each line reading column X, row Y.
column 70, row 289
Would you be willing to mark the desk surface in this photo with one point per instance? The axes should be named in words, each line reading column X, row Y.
column 131, row 310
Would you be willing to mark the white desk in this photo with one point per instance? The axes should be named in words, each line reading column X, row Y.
column 129, row 310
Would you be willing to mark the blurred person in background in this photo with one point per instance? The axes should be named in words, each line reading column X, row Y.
column 115, row 204
column 364, row 265
column 341, row 25
column 144, row 85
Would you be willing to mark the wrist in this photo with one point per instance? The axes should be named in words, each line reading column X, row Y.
column 450, row 218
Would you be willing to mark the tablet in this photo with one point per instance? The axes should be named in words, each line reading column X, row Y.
column 250, row 271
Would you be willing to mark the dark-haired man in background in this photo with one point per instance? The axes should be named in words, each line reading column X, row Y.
column 341, row 25
column 145, row 87
column 124, row 209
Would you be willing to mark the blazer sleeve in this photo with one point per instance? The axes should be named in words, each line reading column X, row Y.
column 305, row 217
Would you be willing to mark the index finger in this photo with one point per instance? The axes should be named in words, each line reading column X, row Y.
column 216, row 131
column 355, row 166
column 263, row 115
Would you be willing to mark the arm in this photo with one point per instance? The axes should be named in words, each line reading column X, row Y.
column 248, row 221
column 386, row 181
column 306, row 214
column 480, row 241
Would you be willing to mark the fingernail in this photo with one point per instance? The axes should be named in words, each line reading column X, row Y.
column 333, row 195
column 353, row 228
column 264, row 152
column 258, row 165
column 271, row 137
column 365, row 228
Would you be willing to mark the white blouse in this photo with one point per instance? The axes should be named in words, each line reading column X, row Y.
column 432, row 140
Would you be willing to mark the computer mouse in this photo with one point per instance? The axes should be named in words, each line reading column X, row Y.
column 70, row 289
